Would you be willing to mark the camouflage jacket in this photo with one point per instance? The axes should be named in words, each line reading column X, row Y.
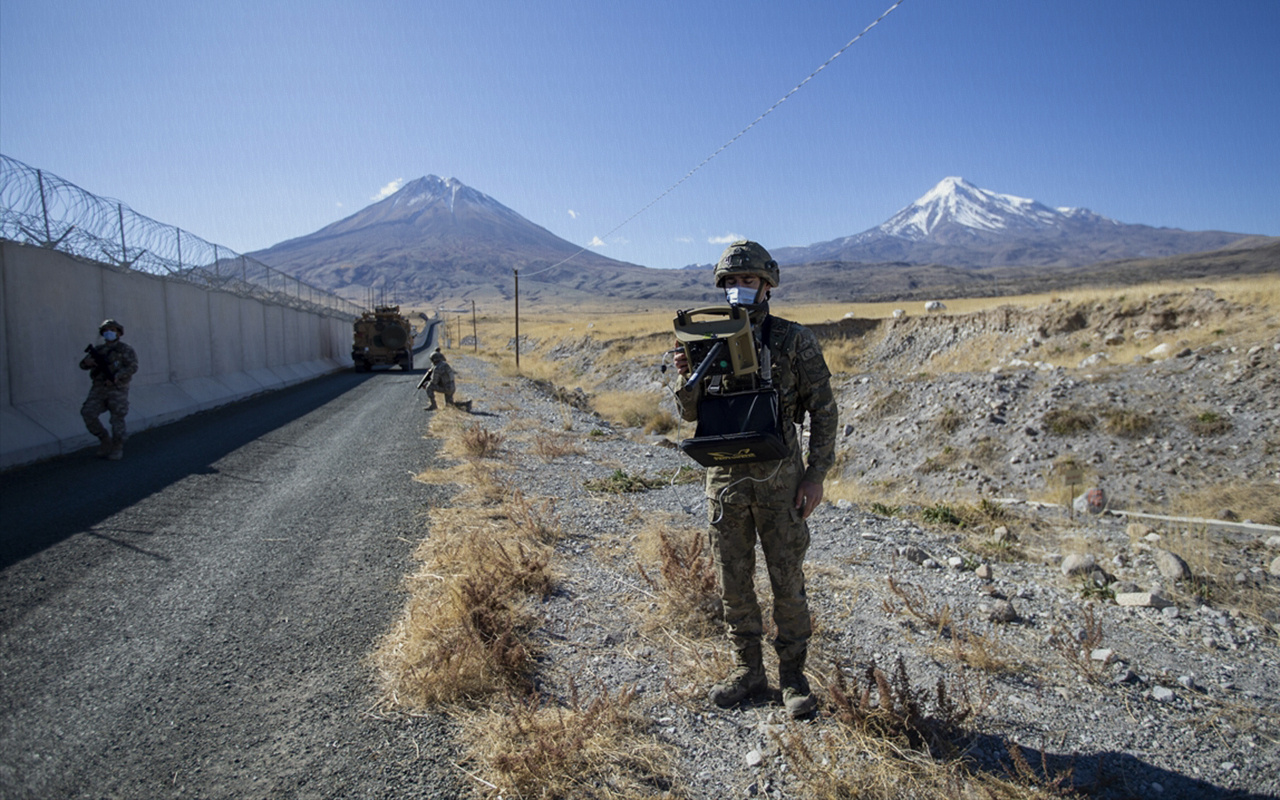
column 120, row 357
column 441, row 377
column 803, row 381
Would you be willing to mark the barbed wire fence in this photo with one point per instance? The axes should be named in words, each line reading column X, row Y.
column 42, row 209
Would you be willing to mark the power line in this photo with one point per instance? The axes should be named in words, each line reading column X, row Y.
column 736, row 137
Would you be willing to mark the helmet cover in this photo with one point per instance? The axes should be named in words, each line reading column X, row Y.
column 747, row 258
column 111, row 323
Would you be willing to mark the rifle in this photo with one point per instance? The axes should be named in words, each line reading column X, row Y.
column 425, row 378
column 102, row 363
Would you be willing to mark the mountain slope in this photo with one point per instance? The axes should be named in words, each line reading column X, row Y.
column 959, row 224
column 437, row 239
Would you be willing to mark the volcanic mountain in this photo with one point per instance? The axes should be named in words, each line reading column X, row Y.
column 961, row 225
column 441, row 240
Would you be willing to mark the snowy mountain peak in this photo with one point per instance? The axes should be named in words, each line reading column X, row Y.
column 446, row 191
column 955, row 202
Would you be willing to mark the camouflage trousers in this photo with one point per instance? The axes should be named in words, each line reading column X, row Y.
column 784, row 538
column 114, row 399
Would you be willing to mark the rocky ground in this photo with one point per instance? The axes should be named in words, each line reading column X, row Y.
column 1097, row 644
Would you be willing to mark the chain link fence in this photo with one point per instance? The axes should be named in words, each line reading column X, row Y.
column 44, row 210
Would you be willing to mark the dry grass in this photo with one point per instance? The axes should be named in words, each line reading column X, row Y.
column 1127, row 423
column 1069, row 421
column 644, row 410
column 464, row 632
column 890, row 740
column 1255, row 500
column 551, row 446
column 677, row 565
column 478, row 441
column 596, row 749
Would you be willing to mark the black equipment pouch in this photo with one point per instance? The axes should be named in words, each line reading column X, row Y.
column 737, row 428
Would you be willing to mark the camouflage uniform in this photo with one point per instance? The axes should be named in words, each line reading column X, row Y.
column 113, row 396
column 441, row 381
column 753, row 500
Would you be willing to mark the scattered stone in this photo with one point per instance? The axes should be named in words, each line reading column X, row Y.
column 1003, row 611
column 1141, row 600
column 913, row 554
column 1093, row 501
column 1162, row 694
column 1171, row 612
column 984, row 570
column 1160, row 351
column 1126, row 587
column 955, row 562
column 1113, row 339
column 1274, row 569
column 1273, row 543
column 1078, row 564
column 1171, row 566
column 1136, row 530
column 1104, row 654
column 1187, row 682
column 1227, row 515
column 755, row 758
column 1001, row 535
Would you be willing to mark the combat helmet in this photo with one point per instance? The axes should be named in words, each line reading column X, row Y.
column 437, row 357
column 111, row 323
column 747, row 258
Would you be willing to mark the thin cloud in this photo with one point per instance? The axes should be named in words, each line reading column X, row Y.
column 684, row 240
column 573, row 214
column 389, row 189
column 728, row 238
column 596, row 241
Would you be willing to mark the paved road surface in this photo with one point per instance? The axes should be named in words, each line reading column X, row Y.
column 194, row 620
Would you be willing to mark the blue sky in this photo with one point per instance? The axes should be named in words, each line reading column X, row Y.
column 249, row 123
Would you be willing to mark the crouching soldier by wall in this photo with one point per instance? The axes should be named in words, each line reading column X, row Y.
column 111, row 365
column 440, row 379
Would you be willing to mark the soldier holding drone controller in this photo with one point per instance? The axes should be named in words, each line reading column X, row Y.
column 752, row 379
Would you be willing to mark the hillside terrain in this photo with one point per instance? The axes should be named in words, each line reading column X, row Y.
column 1106, row 655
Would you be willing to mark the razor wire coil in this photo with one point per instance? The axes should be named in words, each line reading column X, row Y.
column 42, row 209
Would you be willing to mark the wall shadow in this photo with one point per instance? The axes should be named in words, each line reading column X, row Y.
column 47, row 502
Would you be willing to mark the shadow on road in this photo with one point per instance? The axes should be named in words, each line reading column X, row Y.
column 45, row 503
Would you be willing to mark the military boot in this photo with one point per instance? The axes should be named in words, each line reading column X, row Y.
column 431, row 407
column 117, row 450
column 104, row 445
column 797, row 698
column 747, row 679
column 465, row 405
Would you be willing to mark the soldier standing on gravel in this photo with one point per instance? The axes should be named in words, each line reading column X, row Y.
column 111, row 365
column 771, row 499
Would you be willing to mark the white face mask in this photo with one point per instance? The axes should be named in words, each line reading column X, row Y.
column 740, row 295
column 109, row 335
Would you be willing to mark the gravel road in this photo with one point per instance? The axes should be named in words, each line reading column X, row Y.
column 194, row 621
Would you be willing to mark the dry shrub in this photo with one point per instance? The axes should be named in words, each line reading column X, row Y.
column 480, row 442
column 1068, row 421
column 464, row 632
column 1126, row 423
column 594, row 750
column 882, row 405
column 1257, row 501
column 917, row 603
column 535, row 521
column 1209, row 423
column 1075, row 641
column 887, row 744
column 685, row 586
column 550, row 446
column 949, row 420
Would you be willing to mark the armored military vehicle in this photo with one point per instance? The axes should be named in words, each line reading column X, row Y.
column 382, row 337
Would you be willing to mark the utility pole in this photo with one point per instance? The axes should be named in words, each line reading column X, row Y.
column 516, row 273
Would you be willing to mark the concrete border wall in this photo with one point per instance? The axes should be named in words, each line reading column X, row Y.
column 197, row 348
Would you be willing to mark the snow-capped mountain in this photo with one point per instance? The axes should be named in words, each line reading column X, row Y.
column 435, row 237
column 959, row 224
